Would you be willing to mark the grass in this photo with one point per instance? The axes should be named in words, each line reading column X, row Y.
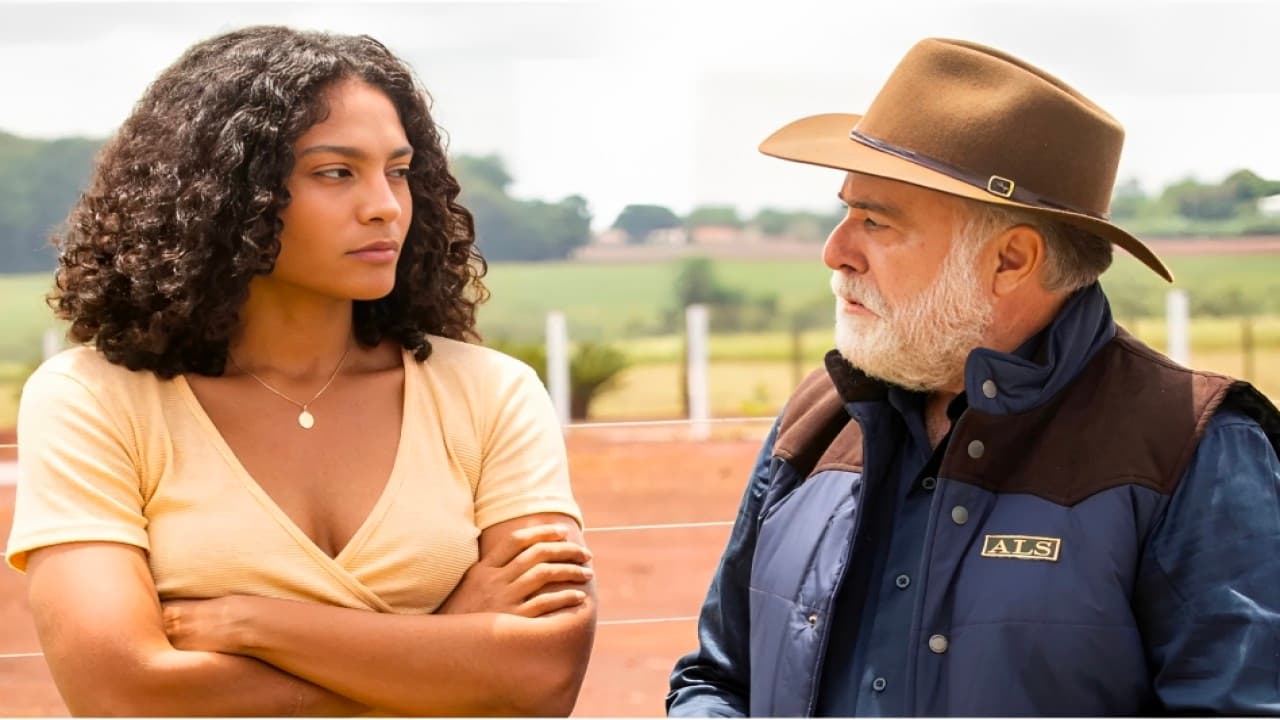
column 751, row 372
column 737, row 387
column 1223, row 334
column 611, row 302
column 750, row 389
column 23, row 316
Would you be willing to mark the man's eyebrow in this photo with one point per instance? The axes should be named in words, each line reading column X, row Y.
column 870, row 206
column 352, row 152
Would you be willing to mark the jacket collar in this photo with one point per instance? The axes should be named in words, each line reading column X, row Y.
column 1045, row 364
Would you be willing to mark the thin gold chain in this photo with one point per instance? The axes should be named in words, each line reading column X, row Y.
column 307, row 404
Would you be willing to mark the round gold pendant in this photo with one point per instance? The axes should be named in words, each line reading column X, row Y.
column 306, row 420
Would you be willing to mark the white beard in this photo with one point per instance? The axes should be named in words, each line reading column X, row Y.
column 922, row 343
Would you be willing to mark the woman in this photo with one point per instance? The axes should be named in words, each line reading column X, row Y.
column 275, row 426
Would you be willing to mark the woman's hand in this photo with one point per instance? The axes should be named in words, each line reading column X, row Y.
column 215, row 625
column 533, row 572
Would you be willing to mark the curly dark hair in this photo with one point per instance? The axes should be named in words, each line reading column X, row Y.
column 183, row 209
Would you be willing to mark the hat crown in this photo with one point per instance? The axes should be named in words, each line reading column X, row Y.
column 988, row 114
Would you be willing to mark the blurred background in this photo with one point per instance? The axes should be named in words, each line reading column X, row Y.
column 607, row 150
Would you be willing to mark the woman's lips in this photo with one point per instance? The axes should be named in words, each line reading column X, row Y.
column 375, row 256
column 378, row 252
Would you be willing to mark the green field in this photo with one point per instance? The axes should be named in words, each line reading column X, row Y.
column 23, row 316
column 752, row 372
column 617, row 301
column 612, row 302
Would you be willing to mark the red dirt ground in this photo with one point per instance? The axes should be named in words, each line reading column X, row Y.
column 620, row 480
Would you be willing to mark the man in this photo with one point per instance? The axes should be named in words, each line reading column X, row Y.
column 992, row 501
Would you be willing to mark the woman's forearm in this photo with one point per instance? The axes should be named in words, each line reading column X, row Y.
column 109, row 655
column 177, row 682
column 478, row 664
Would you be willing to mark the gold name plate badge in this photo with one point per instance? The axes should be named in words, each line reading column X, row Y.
column 1021, row 547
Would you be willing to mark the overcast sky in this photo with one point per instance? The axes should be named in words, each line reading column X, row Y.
column 665, row 102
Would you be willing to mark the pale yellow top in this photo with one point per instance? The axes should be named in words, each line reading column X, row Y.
column 107, row 454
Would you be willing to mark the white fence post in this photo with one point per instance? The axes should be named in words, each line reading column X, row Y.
column 51, row 343
column 695, row 317
column 1177, row 323
column 558, row 364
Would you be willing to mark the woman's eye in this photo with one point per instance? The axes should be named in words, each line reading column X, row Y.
column 870, row 224
column 402, row 172
column 334, row 173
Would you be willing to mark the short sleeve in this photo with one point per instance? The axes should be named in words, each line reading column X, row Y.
column 77, row 479
column 524, row 468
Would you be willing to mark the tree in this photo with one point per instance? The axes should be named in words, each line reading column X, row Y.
column 1196, row 201
column 480, row 170
column 1128, row 201
column 713, row 215
column 511, row 229
column 696, row 283
column 804, row 225
column 772, row 222
column 1235, row 197
column 1246, row 186
column 562, row 227
column 731, row 310
column 40, row 180
column 594, row 368
column 637, row 221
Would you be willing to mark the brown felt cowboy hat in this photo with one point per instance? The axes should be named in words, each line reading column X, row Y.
column 971, row 121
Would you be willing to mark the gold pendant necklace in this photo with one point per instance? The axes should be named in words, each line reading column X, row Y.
column 306, row 420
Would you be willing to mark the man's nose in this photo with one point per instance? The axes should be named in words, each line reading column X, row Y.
column 843, row 250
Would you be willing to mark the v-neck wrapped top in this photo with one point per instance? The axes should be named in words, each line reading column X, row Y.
column 109, row 454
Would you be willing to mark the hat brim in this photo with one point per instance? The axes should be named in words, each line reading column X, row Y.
column 824, row 140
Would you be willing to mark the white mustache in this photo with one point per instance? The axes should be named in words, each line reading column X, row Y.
column 854, row 289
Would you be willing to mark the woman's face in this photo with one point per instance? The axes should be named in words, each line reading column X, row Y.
column 350, row 208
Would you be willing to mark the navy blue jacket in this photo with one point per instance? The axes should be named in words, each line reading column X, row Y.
column 1137, row 596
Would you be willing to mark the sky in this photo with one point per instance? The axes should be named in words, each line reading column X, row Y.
column 664, row 101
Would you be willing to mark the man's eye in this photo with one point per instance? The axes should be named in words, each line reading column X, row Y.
column 869, row 224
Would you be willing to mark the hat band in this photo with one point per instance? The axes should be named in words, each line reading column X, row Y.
column 994, row 184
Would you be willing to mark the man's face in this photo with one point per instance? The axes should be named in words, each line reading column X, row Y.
column 911, row 303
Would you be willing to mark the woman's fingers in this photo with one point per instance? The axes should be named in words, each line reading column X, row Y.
column 519, row 567
column 550, row 602
column 533, row 580
column 521, row 540
column 548, row 552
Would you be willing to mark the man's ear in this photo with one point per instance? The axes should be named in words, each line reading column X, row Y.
column 1020, row 251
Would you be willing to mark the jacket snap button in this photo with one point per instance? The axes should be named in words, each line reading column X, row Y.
column 989, row 389
column 902, row 581
column 879, row 684
column 976, row 448
column 813, row 620
column 938, row 644
column 929, row 483
column 959, row 515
